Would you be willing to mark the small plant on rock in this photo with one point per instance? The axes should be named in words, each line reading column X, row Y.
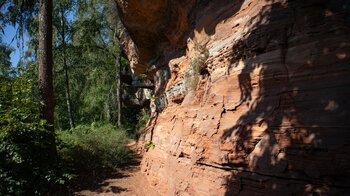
column 195, row 66
column 150, row 144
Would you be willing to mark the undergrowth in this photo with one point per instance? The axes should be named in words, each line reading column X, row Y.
column 94, row 146
column 27, row 166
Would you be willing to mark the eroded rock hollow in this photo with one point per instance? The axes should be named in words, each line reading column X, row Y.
column 251, row 97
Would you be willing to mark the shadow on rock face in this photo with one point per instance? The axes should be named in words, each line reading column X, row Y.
column 302, row 101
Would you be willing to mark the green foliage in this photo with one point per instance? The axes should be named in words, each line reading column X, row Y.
column 4, row 59
column 142, row 120
column 143, row 75
column 26, row 163
column 150, row 144
column 92, row 50
column 195, row 66
column 134, row 120
column 20, row 14
column 94, row 146
column 17, row 12
column 124, row 62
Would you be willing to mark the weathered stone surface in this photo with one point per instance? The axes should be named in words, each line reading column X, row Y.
column 270, row 112
column 150, row 24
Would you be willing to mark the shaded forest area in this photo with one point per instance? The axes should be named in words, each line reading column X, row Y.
column 61, row 107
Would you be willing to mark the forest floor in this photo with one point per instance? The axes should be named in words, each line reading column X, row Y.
column 128, row 181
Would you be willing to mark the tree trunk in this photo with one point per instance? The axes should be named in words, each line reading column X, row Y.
column 117, row 78
column 71, row 121
column 66, row 79
column 45, row 81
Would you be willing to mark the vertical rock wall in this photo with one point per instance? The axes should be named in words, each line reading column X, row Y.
column 269, row 114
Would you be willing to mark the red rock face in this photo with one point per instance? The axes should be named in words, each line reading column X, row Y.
column 269, row 114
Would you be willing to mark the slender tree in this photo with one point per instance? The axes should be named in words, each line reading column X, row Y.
column 45, row 62
column 115, row 24
column 66, row 79
column 117, row 78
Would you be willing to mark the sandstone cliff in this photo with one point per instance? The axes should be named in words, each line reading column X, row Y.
column 267, row 108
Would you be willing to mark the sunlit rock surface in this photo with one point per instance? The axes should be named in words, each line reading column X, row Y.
column 270, row 112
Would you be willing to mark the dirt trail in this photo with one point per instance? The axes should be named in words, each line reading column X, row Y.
column 128, row 181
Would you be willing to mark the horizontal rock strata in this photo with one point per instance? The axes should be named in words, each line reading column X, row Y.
column 268, row 113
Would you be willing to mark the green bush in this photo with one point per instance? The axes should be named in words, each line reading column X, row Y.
column 94, row 146
column 27, row 166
